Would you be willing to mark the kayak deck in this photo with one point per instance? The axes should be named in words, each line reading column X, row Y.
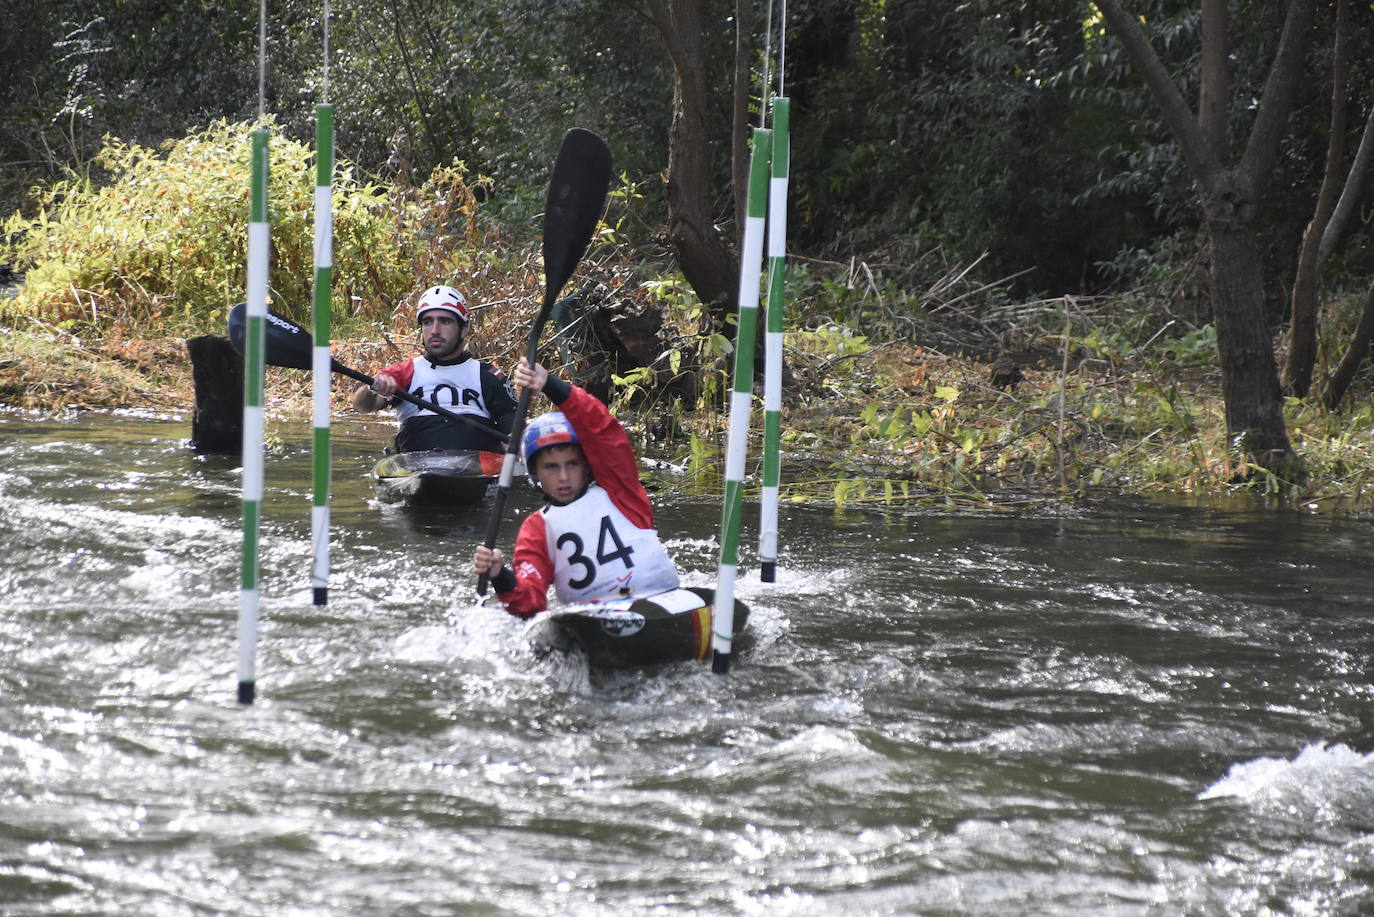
column 439, row 476
column 670, row 627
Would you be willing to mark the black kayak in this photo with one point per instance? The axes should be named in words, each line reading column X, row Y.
column 438, row 477
column 672, row 626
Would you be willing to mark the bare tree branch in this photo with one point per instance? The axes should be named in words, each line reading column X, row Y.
column 1276, row 104
column 1350, row 195
column 1203, row 160
column 1302, row 327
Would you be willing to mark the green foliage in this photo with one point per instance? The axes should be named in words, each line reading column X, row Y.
column 704, row 458
column 1195, row 348
column 630, row 388
column 495, row 83
column 1118, row 346
column 1015, row 130
column 160, row 243
column 951, row 163
column 981, row 147
column 833, row 340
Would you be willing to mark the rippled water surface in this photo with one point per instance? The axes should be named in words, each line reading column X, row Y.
column 1141, row 709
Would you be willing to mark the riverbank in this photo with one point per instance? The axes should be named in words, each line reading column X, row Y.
column 885, row 423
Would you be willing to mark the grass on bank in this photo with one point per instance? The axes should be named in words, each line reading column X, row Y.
column 898, row 424
column 894, row 396
column 48, row 372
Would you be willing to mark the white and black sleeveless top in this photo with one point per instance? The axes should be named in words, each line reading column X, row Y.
column 599, row 554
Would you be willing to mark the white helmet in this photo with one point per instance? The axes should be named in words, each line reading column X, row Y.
column 446, row 299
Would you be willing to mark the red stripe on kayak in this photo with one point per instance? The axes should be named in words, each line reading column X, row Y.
column 491, row 462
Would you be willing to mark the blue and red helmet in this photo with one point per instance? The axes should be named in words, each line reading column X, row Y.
column 551, row 429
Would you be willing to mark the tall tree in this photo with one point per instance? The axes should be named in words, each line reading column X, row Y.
column 1231, row 195
column 1302, row 325
column 706, row 261
column 1358, row 348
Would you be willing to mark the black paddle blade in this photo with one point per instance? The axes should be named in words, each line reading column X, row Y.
column 577, row 196
column 288, row 344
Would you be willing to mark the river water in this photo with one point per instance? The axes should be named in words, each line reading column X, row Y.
column 1133, row 709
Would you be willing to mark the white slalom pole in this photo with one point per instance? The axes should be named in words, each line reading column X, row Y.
column 321, row 359
column 254, row 363
column 772, row 344
column 750, row 272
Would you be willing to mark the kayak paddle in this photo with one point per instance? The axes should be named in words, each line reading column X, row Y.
column 577, row 195
column 289, row 346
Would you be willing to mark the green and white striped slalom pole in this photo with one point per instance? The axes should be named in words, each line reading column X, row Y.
column 321, row 359
column 750, row 271
column 772, row 345
column 254, row 357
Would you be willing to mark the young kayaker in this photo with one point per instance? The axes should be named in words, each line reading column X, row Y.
column 594, row 539
column 447, row 375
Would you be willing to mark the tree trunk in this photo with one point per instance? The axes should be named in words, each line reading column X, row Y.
column 1302, row 327
column 1301, row 358
column 1249, row 376
column 705, row 260
column 1358, row 348
column 217, row 370
column 1230, row 195
column 1354, row 357
column 1212, row 88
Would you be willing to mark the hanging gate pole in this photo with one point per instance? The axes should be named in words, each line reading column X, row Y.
column 772, row 344
column 723, row 611
column 254, row 370
column 321, row 358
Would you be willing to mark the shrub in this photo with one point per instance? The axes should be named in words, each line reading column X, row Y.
column 156, row 240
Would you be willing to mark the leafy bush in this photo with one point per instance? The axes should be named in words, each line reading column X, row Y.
column 159, row 241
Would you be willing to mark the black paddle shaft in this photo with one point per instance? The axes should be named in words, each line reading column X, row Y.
column 577, row 196
column 289, row 346
column 404, row 395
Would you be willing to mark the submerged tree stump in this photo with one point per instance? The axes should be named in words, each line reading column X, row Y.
column 217, row 368
column 601, row 337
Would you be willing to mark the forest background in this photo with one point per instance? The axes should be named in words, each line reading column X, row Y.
column 1036, row 249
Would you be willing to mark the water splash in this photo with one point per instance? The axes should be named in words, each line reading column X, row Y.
column 471, row 632
column 1330, row 783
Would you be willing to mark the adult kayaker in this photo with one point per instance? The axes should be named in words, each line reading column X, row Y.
column 447, row 375
column 594, row 540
